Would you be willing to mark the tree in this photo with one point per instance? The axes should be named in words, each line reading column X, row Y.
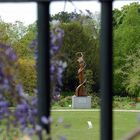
column 65, row 17
column 77, row 39
column 133, row 76
column 126, row 44
column 4, row 36
column 22, row 45
column 119, row 15
column 16, row 31
column 81, row 34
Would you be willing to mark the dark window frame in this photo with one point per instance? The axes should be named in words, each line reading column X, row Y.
column 105, row 67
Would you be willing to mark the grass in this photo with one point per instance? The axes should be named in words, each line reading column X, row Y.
column 124, row 122
column 74, row 125
column 77, row 122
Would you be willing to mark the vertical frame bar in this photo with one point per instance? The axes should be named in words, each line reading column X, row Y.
column 43, row 70
column 106, row 70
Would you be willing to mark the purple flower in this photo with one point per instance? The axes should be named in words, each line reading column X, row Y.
column 57, row 65
column 1, row 75
column 4, row 104
column 33, row 44
column 46, row 120
column 29, row 131
column 38, row 128
column 52, row 69
column 24, row 115
column 11, row 54
column 62, row 138
column 34, row 101
column 1, row 96
column 19, row 89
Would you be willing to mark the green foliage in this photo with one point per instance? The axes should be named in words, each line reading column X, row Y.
column 65, row 17
column 133, row 77
column 124, row 102
column 95, row 102
column 117, row 17
column 19, row 36
column 118, row 102
column 22, row 46
column 126, row 49
column 81, row 35
column 16, row 31
column 4, row 29
column 27, row 75
column 120, row 15
column 89, row 81
column 77, row 39
column 65, row 102
column 65, row 94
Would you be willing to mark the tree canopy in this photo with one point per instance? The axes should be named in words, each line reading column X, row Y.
column 126, row 49
column 81, row 34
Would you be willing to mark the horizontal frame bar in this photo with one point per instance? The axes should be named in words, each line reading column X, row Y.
column 48, row 0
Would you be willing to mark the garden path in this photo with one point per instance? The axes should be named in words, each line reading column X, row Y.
column 69, row 110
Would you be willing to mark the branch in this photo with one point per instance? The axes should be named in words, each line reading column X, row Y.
column 133, row 134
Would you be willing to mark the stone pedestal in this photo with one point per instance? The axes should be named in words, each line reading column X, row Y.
column 83, row 102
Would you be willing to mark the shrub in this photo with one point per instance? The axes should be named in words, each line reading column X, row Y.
column 27, row 75
column 89, row 82
column 23, row 116
column 65, row 102
column 95, row 102
column 124, row 102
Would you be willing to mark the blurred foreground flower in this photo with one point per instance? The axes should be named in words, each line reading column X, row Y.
column 57, row 66
column 17, row 109
column 26, row 138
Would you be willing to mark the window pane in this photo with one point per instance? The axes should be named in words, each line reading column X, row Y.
column 126, row 46
column 18, row 78
column 80, row 22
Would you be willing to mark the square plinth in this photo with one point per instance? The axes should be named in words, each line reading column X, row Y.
column 83, row 102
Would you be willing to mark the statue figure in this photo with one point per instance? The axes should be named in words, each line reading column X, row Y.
column 81, row 90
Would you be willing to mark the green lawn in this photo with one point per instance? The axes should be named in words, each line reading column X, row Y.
column 124, row 122
column 73, row 125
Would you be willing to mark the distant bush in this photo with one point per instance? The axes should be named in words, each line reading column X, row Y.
column 65, row 93
column 78, row 39
column 95, row 102
column 118, row 102
column 89, row 81
column 27, row 75
column 65, row 102
column 124, row 102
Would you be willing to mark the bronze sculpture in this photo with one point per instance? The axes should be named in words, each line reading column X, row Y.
column 81, row 90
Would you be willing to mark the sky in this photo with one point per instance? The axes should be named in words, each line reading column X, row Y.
column 27, row 12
